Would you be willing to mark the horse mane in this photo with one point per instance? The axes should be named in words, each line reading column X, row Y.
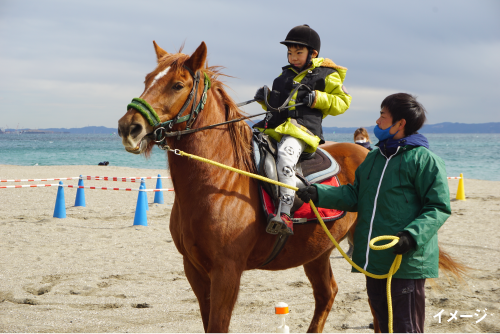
column 240, row 132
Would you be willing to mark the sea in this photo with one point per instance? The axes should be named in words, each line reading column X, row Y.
column 477, row 156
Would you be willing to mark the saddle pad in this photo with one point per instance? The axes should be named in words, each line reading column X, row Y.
column 305, row 210
column 321, row 167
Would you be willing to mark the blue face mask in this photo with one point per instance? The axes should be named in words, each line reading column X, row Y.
column 383, row 134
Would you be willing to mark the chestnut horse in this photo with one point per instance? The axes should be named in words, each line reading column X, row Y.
column 217, row 222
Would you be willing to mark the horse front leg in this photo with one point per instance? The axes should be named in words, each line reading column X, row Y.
column 224, row 290
column 324, row 287
column 200, row 283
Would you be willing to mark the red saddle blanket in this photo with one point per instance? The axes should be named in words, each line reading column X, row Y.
column 305, row 210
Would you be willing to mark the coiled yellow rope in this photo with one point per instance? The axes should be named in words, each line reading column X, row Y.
column 395, row 265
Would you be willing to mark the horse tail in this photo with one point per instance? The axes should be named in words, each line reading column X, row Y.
column 451, row 266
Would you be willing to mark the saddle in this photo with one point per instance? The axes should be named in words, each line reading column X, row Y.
column 318, row 167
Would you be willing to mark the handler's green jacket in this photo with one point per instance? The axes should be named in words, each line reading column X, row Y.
column 407, row 191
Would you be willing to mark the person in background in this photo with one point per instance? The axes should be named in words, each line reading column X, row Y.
column 362, row 138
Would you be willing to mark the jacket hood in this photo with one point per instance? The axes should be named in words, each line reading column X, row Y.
column 390, row 146
column 325, row 62
column 414, row 140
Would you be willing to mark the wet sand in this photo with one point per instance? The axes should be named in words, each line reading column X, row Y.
column 93, row 271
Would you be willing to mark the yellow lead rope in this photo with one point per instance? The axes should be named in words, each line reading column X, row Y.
column 395, row 265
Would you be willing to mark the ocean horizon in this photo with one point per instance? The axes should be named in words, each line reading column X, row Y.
column 477, row 156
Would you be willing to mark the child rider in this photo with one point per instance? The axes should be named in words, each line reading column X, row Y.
column 298, row 129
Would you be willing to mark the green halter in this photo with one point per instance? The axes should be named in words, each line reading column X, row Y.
column 152, row 117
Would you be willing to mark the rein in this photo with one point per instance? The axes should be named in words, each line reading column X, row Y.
column 393, row 239
column 163, row 130
column 146, row 110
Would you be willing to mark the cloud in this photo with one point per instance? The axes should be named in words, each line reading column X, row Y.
column 93, row 55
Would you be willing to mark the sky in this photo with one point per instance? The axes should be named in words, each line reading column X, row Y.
column 67, row 64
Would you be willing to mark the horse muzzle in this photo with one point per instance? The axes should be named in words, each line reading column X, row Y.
column 139, row 148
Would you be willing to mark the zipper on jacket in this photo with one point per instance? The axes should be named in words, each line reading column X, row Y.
column 375, row 207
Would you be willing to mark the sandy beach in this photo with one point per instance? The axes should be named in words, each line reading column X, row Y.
column 93, row 271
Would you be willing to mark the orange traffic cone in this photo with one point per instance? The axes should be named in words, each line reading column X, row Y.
column 461, row 190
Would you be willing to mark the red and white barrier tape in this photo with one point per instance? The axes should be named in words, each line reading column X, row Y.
column 42, row 180
column 82, row 187
column 97, row 178
column 123, row 179
column 454, row 177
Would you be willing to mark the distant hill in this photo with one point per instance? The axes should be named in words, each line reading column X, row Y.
column 449, row 127
column 446, row 127
column 84, row 130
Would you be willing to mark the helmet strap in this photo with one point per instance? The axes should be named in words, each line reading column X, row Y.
column 308, row 60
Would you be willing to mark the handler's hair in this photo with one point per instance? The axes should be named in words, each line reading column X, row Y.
column 405, row 106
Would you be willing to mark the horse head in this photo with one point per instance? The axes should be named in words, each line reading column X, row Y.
column 168, row 91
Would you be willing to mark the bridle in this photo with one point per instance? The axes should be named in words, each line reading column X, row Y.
column 146, row 110
column 163, row 130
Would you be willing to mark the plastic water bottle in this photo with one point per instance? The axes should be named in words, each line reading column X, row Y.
column 281, row 310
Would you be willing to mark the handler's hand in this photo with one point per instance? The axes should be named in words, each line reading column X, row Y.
column 405, row 243
column 308, row 193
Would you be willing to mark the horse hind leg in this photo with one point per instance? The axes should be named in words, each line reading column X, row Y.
column 324, row 287
column 376, row 327
column 200, row 283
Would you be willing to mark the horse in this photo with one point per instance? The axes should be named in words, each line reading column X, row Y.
column 217, row 222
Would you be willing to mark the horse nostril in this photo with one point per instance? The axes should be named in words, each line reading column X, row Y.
column 135, row 130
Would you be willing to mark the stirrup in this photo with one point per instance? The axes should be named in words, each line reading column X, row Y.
column 287, row 225
column 274, row 224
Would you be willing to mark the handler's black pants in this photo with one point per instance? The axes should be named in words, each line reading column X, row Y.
column 408, row 303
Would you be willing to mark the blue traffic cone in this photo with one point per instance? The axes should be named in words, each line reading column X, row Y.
column 60, row 209
column 159, row 194
column 80, row 194
column 145, row 195
column 141, row 217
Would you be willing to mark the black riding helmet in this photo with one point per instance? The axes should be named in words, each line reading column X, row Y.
column 303, row 35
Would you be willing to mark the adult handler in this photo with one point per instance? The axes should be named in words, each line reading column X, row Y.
column 400, row 189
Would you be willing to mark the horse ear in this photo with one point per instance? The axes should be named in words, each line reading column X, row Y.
column 159, row 51
column 198, row 58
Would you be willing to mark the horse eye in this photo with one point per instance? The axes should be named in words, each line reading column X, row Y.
column 178, row 86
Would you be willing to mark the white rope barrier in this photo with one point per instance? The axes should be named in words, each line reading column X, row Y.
column 454, row 177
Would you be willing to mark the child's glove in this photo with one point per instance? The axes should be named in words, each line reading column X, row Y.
column 405, row 243
column 308, row 100
column 259, row 95
column 308, row 193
